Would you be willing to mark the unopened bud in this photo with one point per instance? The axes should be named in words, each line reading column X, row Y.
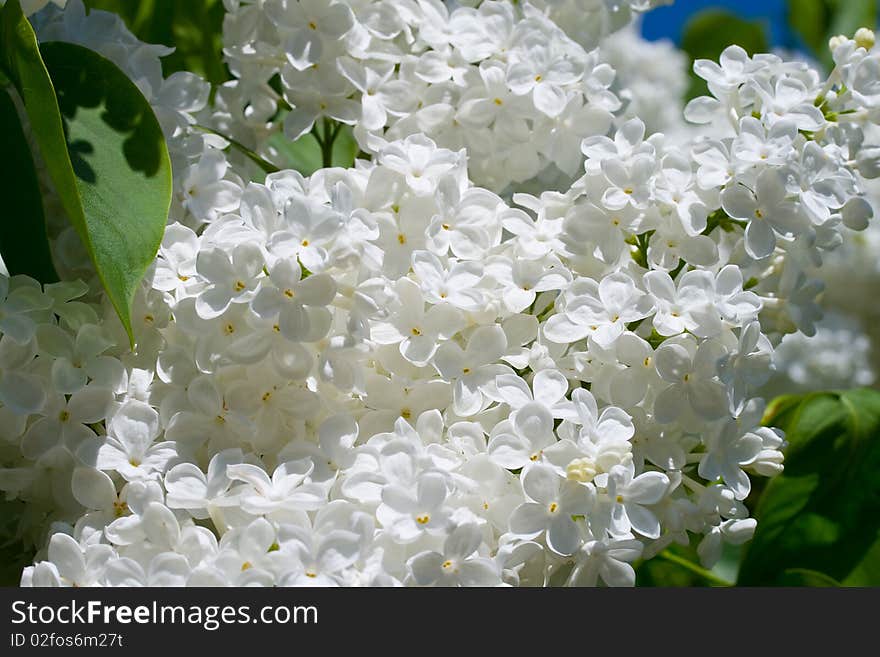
column 836, row 41
column 864, row 38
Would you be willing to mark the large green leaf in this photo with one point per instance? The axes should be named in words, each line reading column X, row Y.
column 106, row 155
column 819, row 521
column 867, row 573
column 710, row 31
column 123, row 172
column 24, row 244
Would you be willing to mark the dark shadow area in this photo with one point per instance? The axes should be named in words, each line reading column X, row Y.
column 79, row 150
column 86, row 80
column 23, row 241
column 821, row 513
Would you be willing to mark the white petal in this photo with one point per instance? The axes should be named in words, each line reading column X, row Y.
column 672, row 362
column 66, row 378
column 647, row 488
column 541, row 483
column 90, row 404
column 251, row 474
column 642, row 520
column 509, row 450
column 670, row 404
column 479, row 572
column 135, row 426
column 93, row 488
column 701, row 109
column 760, row 239
column 125, row 572
column 739, row 202
column 214, row 265
column 338, row 550
column 708, row 399
column 22, row 393
column 168, row 569
column 560, row 329
column 67, row 555
column 186, row 486
column 617, row 573
column 550, row 386
column 431, row 490
column 487, row 344
column 513, row 390
column 213, row 301
column 54, row 341
column 529, row 519
column 160, row 525
column 563, row 535
column 426, row 567
column 317, row 290
column 463, row 541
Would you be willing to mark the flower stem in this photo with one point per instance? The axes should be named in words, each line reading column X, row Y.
column 701, row 572
column 326, row 138
column 265, row 165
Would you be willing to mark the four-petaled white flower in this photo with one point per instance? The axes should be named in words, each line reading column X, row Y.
column 553, row 503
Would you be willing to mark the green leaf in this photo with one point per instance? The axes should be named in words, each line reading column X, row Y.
column 123, row 172
column 24, row 244
column 710, row 31
column 107, row 158
column 867, row 573
column 809, row 19
column 822, row 513
column 21, row 62
column 806, row 577
column 304, row 154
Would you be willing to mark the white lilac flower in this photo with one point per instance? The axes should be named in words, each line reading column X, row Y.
column 766, row 210
column 458, row 564
column 129, row 447
column 553, row 501
column 630, row 496
column 691, row 371
column 524, row 339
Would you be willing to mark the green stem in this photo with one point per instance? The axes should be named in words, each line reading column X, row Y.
column 641, row 243
column 265, row 165
column 701, row 572
column 546, row 312
column 633, row 326
column 678, row 269
column 330, row 133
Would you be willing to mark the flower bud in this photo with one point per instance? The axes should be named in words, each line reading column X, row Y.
column 836, row 41
column 864, row 38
